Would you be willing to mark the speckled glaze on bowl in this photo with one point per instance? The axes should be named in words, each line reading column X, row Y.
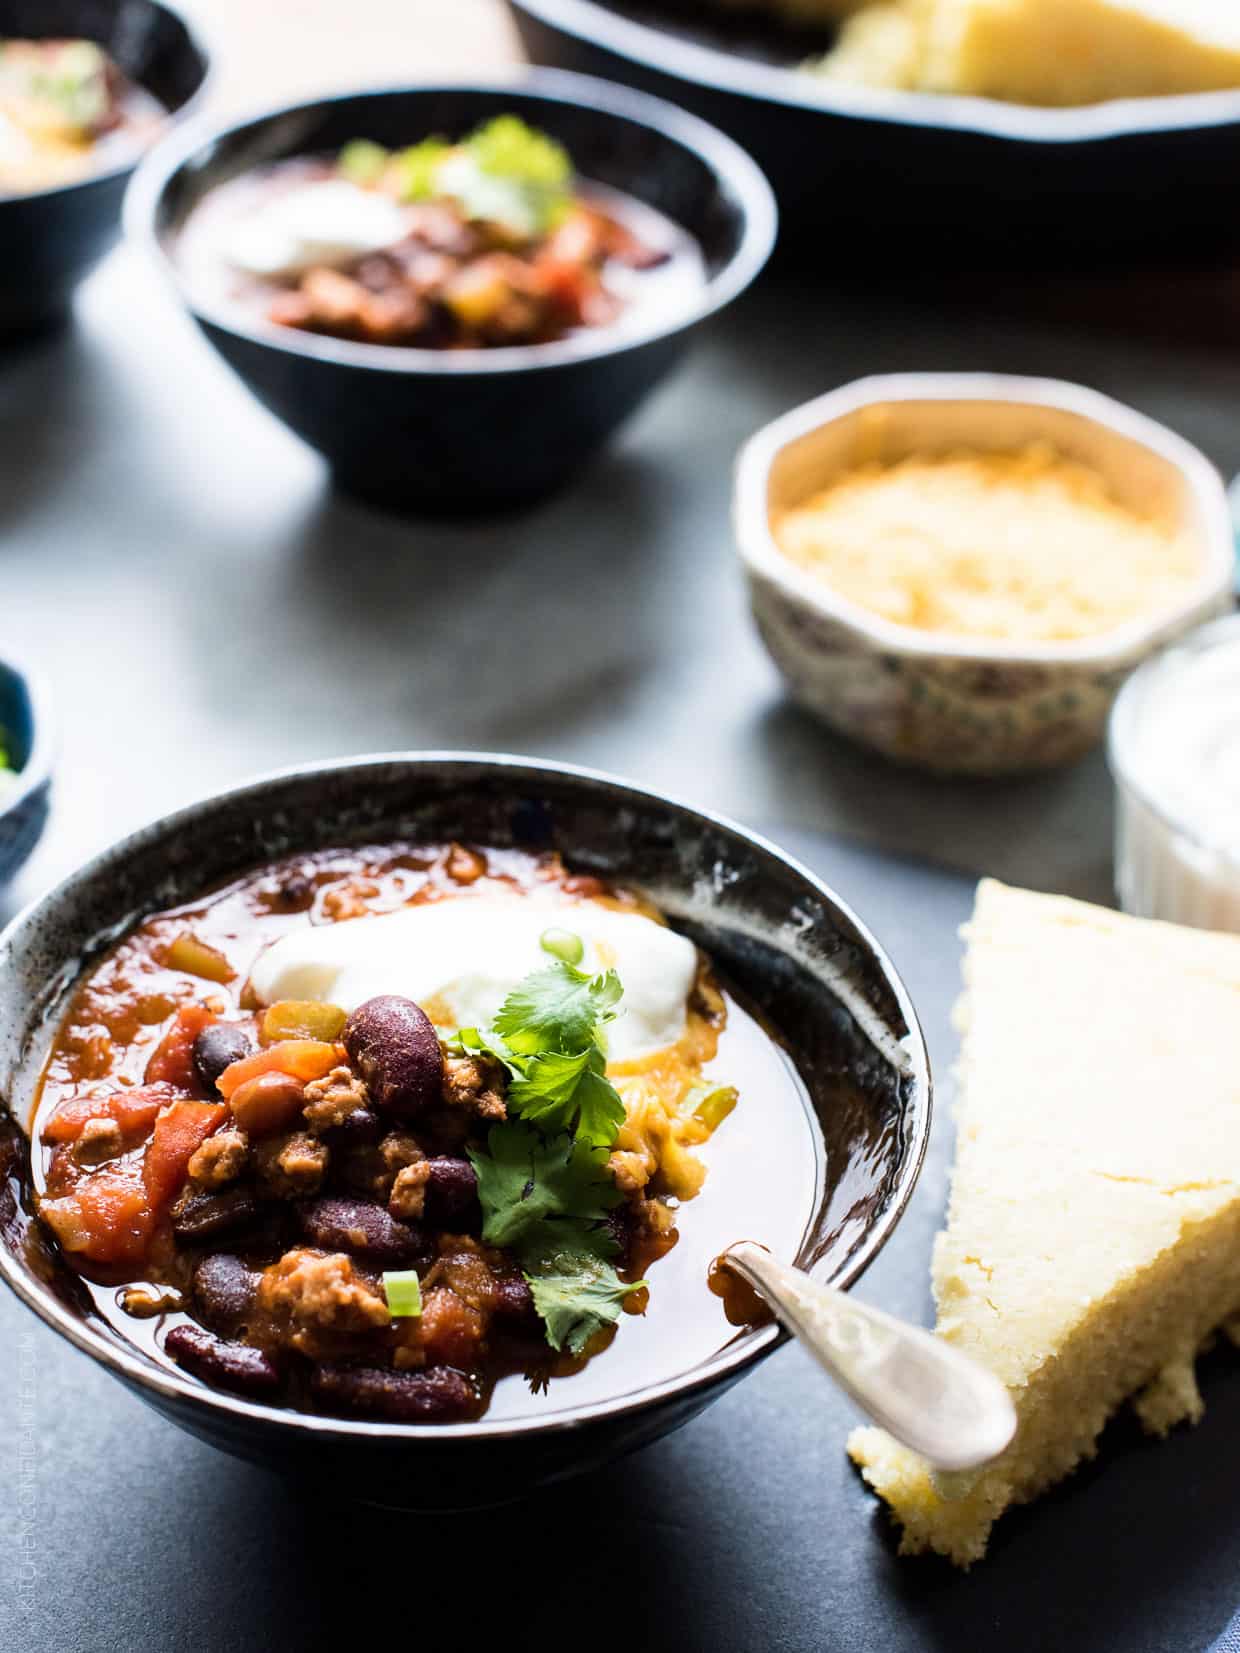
column 773, row 927
column 51, row 238
column 26, row 724
column 958, row 704
column 467, row 431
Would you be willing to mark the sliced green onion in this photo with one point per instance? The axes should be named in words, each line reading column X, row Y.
column 403, row 1291
column 363, row 162
column 716, row 1105
column 563, row 945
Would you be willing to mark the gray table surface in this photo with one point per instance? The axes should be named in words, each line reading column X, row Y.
column 206, row 608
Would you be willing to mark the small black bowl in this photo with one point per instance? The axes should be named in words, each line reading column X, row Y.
column 26, row 724
column 51, row 238
column 773, row 928
column 478, row 429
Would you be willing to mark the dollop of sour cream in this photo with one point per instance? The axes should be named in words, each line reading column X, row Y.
column 330, row 221
column 463, row 956
column 1176, row 753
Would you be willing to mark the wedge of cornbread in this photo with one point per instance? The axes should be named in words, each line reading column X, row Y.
column 1046, row 52
column 1093, row 1237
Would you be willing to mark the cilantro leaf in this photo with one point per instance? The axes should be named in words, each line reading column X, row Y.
column 530, row 1188
column 474, row 1041
column 546, row 1090
column 570, row 1093
column 601, row 1110
column 558, row 1008
column 577, row 1294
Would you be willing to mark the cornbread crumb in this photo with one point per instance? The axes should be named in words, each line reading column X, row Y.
column 1092, row 1245
column 1026, row 547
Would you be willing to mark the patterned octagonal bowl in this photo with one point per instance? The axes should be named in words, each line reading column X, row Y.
column 966, row 705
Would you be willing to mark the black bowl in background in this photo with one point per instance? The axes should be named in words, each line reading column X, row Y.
column 51, row 238
column 774, row 929
column 870, row 176
column 479, row 429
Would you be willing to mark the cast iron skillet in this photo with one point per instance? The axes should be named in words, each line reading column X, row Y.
column 51, row 238
column 900, row 179
column 776, row 931
column 470, row 430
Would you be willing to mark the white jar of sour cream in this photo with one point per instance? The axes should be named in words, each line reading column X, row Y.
column 1175, row 756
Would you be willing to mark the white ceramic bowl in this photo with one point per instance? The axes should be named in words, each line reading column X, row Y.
column 964, row 704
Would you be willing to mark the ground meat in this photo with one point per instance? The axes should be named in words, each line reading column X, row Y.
column 289, row 1166
column 449, row 1333
column 408, row 1197
column 329, row 301
column 630, row 1170
column 330, row 1101
column 308, row 1293
column 350, row 900
column 100, row 1139
column 476, row 1083
column 465, row 866
column 220, row 1159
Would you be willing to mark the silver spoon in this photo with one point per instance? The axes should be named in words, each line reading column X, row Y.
column 935, row 1400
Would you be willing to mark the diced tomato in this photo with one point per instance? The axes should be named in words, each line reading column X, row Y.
column 567, row 284
column 133, row 1110
column 305, row 1059
column 107, row 1218
column 179, row 1132
column 172, row 1062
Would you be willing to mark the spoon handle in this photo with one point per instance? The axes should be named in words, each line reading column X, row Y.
column 935, row 1400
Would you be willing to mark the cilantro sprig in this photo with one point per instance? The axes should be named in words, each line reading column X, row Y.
column 543, row 1182
column 547, row 1034
column 548, row 1200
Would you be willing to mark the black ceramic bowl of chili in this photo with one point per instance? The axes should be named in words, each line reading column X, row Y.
column 782, row 943
column 419, row 390
column 133, row 66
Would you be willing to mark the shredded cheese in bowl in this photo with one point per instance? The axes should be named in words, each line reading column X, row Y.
column 1024, row 547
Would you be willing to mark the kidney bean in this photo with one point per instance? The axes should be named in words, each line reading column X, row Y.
column 362, row 1228
column 361, row 1126
column 393, row 1045
column 233, row 1366
column 223, row 1288
column 269, row 1103
column 201, row 1216
column 619, row 1225
column 513, row 1302
column 438, row 1395
column 452, row 1195
column 215, row 1047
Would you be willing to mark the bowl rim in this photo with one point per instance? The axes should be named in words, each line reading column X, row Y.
column 762, row 557
column 199, row 41
column 736, row 172
column 648, row 47
column 730, row 1362
column 35, row 773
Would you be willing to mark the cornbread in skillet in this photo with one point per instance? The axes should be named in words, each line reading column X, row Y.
column 1026, row 547
column 1044, row 52
column 1093, row 1238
